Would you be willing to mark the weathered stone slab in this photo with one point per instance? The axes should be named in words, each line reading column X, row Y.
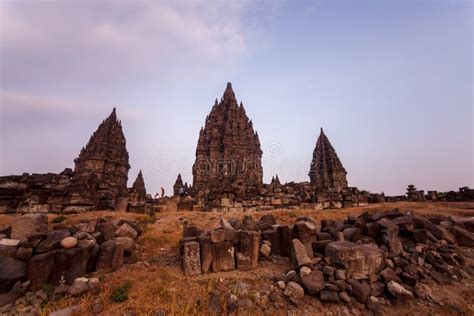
column 29, row 224
column 206, row 253
column 299, row 255
column 243, row 262
column 222, row 256
column 250, row 246
column 191, row 258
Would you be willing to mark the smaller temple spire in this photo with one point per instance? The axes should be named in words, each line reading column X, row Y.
column 139, row 186
column 326, row 170
column 178, row 185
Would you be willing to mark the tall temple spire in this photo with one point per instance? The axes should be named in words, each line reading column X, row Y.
column 105, row 157
column 326, row 171
column 228, row 149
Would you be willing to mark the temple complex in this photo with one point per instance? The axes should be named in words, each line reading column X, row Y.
column 326, row 171
column 228, row 151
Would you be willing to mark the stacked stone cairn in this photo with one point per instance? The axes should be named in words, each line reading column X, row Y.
column 367, row 261
column 33, row 258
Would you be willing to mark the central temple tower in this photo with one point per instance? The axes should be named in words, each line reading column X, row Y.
column 228, row 150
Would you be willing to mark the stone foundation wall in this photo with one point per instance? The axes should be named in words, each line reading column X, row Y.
column 59, row 193
column 268, row 197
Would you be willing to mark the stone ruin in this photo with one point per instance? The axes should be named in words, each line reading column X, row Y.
column 368, row 261
column 227, row 173
column 103, row 164
column 228, row 152
column 326, row 171
column 32, row 257
column 98, row 182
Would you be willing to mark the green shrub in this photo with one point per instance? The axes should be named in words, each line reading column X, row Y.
column 120, row 293
column 59, row 219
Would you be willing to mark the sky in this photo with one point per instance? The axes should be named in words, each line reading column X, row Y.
column 391, row 83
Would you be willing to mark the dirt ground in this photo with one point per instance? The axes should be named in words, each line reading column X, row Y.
column 157, row 283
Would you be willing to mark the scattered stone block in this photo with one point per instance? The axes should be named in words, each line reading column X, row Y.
column 110, row 256
column 40, row 268
column 358, row 260
column 299, row 254
column 191, row 258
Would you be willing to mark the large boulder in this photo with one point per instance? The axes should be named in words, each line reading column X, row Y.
column 110, row 256
column 11, row 271
column 358, row 260
column 29, row 224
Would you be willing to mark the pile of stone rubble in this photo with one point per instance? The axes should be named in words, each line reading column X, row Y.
column 33, row 258
column 367, row 260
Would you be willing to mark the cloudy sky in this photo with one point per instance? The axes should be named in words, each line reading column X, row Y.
column 391, row 82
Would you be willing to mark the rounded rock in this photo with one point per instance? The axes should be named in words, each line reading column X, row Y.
column 305, row 271
column 69, row 242
column 294, row 291
column 265, row 250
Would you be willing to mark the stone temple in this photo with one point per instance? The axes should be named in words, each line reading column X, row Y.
column 326, row 171
column 105, row 157
column 228, row 151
